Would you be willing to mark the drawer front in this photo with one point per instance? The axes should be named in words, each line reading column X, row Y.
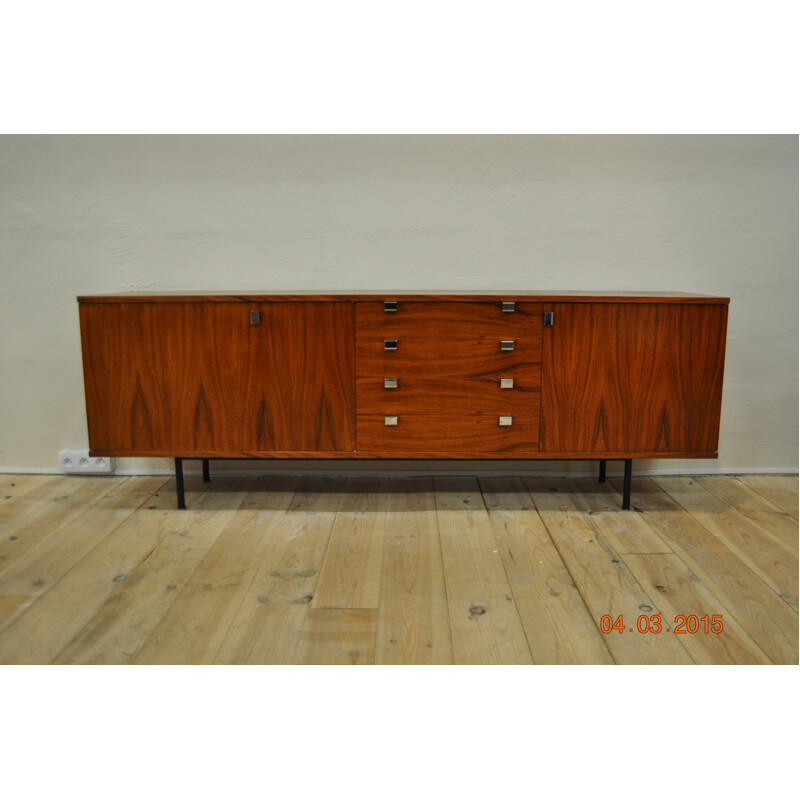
column 447, row 436
column 449, row 320
column 449, row 396
column 431, row 358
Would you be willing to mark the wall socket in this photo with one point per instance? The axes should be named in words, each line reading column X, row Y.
column 79, row 461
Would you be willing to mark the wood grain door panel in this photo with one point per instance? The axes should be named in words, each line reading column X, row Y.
column 632, row 378
column 301, row 394
column 199, row 377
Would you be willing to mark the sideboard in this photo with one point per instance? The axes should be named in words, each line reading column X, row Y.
column 404, row 376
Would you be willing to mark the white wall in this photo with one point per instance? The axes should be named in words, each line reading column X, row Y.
column 708, row 214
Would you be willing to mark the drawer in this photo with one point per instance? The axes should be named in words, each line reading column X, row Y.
column 449, row 320
column 446, row 436
column 439, row 358
column 449, row 396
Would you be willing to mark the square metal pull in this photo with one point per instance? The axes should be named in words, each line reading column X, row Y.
column 390, row 383
column 390, row 421
column 390, row 305
column 505, row 422
column 509, row 305
column 506, row 383
column 391, row 344
column 506, row 345
column 255, row 317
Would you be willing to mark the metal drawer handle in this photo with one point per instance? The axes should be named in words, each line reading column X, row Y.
column 506, row 345
column 506, row 383
column 390, row 421
column 390, row 383
column 390, row 305
column 505, row 422
column 509, row 305
column 391, row 344
column 255, row 317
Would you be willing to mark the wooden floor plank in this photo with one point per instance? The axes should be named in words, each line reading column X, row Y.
column 559, row 627
column 11, row 607
column 773, row 561
column 679, row 592
column 28, row 522
column 78, row 596
column 30, row 487
column 606, row 584
column 484, row 622
column 67, row 541
column 196, row 623
column 626, row 533
column 413, row 623
column 119, row 629
column 338, row 636
column 94, row 568
column 351, row 573
column 782, row 490
column 770, row 622
column 739, row 497
column 269, row 623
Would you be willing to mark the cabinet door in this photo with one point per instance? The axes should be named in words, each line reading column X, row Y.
column 632, row 378
column 301, row 394
column 181, row 378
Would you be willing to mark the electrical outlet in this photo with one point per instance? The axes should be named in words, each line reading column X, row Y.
column 80, row 462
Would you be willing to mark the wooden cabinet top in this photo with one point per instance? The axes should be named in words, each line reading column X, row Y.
column 404, row 296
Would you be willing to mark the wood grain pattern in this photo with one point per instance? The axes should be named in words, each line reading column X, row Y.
column 269, row 624
column 413, row 623
column 433, row 360
column 484, row 622
column 626, row 533
column 642, row 378
column 350, row 576
column 557, row 624
column 781, row 490
column 773, row 560
column 338, row 636
column 749, row 503
column 450, row 395
column 102, row 604
column 770, row 622
column 72, row 525
column 191, row 378
column 635, row 378
column 680, row 592
column 447, row 436
column 604, row 581
column 448, row 321
column 156, row 554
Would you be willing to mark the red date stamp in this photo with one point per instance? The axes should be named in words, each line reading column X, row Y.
column 684, row 623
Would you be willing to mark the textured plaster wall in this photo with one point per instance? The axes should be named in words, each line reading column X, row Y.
column 710, row 214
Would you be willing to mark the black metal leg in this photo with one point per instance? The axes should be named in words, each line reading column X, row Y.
column 602, row 478
column 206, row 473
column 179, row 482
column 626, row 484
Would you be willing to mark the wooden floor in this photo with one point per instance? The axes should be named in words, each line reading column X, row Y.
column 403, row 571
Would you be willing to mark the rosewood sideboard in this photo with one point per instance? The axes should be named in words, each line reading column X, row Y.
column 404, row 376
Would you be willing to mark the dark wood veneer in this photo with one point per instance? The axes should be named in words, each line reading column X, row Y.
column 476, row 435
column 618, row 375
column 644, row 378
column 452, row 395
column 199, row 377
